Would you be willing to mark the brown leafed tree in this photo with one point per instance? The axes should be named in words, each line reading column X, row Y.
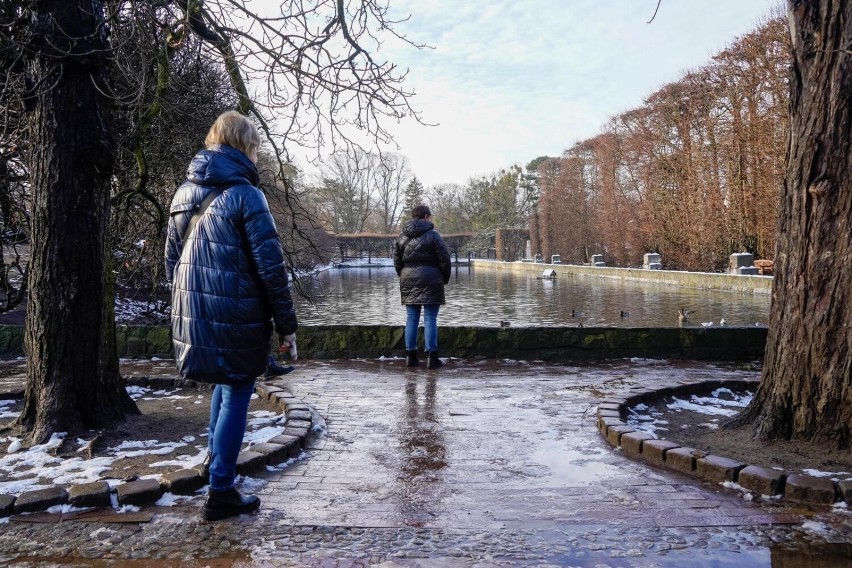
column 693, row 174
column 806, row 390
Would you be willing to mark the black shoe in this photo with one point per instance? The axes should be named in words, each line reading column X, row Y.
column 433, row 362
column 204, row 469
column 411, row 359
column 228, row 503
column 275, row 370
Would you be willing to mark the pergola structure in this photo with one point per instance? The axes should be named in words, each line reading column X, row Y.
column 381, row 245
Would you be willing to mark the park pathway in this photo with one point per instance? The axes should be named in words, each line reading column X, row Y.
column 480, row 463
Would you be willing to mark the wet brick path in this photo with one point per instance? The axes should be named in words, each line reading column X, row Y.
column 475, row 464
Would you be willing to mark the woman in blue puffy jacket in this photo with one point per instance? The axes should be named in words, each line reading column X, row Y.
column 230, row 289
column 423, row 264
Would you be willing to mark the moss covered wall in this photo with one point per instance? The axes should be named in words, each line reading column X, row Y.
column 529, row 343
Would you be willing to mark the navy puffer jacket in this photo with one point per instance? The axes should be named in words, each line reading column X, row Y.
column 229, row 280
column 422, row 262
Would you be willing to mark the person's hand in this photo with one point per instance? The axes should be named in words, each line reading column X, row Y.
column 288, row 343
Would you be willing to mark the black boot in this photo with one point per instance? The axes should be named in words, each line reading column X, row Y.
column 433, row 362
column 204, row 469
column 411, row 359
column 228, row 503
column 273, row 369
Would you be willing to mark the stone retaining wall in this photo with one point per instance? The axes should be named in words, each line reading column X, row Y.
column 717, row 469
column 705, row 280
column 552, row 344
column 97, row 494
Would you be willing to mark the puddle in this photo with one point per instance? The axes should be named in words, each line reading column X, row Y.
column 568, row 465
column 812, row 555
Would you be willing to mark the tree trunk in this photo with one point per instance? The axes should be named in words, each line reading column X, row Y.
column 806, row 391
column 72, row 368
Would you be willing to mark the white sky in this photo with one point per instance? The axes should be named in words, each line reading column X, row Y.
column 510, row 80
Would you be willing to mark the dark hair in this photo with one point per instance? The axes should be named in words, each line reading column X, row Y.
column 420, row 212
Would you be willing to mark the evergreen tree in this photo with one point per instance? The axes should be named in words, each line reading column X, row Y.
column 413, row 196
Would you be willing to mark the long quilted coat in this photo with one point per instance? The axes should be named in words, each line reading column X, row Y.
column 229, row 281
column 422, row 262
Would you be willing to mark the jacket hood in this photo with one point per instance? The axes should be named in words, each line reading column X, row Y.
column 416, row 227
column 222, row 165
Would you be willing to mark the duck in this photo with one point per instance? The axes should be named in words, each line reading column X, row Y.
column 576, row 313
column 625, row 314
column 505, row 323
column 683, row 315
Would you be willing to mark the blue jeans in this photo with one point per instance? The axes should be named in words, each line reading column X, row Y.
column 430, row 326
column 228, row 412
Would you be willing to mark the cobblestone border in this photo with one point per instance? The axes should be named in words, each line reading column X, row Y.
column 806, row 489
column 286, row 445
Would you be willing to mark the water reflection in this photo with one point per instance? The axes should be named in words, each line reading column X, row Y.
column 370, row 296
column 571, row 462
column 818, row 555
column 423, row 453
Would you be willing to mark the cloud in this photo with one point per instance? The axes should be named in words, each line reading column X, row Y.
column 508, row 81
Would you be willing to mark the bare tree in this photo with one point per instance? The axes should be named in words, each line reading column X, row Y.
column 344, row 195
column 314, row 68
column 445, row 202
column 391, row 178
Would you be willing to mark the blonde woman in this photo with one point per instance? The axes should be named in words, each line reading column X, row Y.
column 229, row 291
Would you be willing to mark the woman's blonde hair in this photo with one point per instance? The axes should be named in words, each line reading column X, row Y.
column 235, row 130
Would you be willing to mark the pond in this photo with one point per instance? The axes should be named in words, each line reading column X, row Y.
column 485, row 298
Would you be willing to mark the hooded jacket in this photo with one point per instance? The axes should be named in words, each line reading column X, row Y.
column 422, row 262
column 229, row 280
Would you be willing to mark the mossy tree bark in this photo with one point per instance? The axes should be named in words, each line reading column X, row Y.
column 73, row 380
column 806, row 390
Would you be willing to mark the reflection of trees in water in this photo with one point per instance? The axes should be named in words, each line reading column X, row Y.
column 423, row 453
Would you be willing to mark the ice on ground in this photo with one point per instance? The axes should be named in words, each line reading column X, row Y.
column 137, row 392
column 129, row 310
column 818, row 473
column 184, row 461
column 263, row 434
column 703, row 407
column 262, row 417
column 170, row 500
column 127, row 509
column 66, row 508
column 646, row 420
column 169, row 397
column 164, row 392
column 33, row 457
column 722, row 402
column 146, row 447
column 816, row 527
column 4, row 409
column 252, row 484
column 643, row 361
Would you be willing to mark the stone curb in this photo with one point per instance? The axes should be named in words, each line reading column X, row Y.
column 798, row 488
column 147, row 491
